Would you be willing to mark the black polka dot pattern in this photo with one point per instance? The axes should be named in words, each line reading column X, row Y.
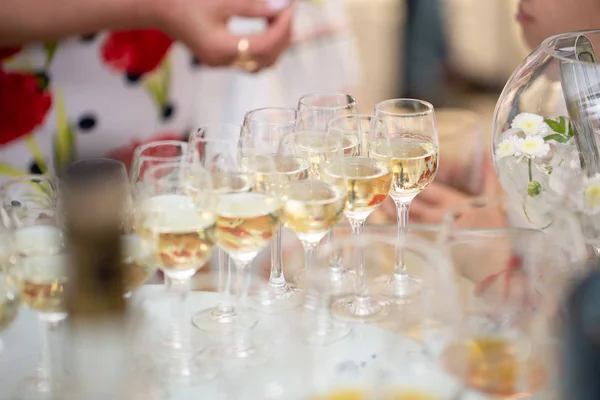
column 15, row 203
column 133, row 78
column 90, row 37
column 43, row 79
column 168, row 111
column 195, row 61
column 34, row 168
column 86, row 122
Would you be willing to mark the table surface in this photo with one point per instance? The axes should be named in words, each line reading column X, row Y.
column 350, row 359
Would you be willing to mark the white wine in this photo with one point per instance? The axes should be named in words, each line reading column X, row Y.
column 246, row 222
column 367, row 183
column 277, row 171
column 364, row 394
column 413, row 163
column 9, row 306
column 42, row 281
column 182, row 235
column 312, row 207
column 318, row 147
column 139, row 261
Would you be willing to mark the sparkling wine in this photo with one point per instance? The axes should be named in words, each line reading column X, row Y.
column 312, row 207
column 367, row 183
column 183, row 236
column 246, row 222
column 494, row 365
column 413, row 163
column 9, row 306
column 280, row 171
column 42, row 283
column 360, row 394
column 139, row 262
column 318, row 147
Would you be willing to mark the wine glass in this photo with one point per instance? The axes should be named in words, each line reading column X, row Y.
column 367, row 181
column 38, row 264
column 511, row 281
column 30, row 191
column 312, row 206
column 9, row 294
column 175, row 211
column 264, row 129
column 216, row 148
column 411, row 149
column 155, row 153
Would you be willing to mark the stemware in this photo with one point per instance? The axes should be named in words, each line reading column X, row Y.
column 155, row 153
column 30, row 191
column 410, row 146
column 216, row 149
column 175, row 211
column 511, row 281
column 316, row 110
column 313, row 206
column 38, row 264
column 264, row 129
column 367, row 182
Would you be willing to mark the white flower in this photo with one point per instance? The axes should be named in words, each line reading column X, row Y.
column 530, row 124
column 533, row 146
column 507, row 147
column 591, row 193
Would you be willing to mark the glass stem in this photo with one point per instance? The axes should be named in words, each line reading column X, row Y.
column 179, row 290
column 276, row 277
column 362, row 291
column 310, row 250
column 224, row 306
column 243, row 279
column 45, row 366
column 336, row 258
column 402, row 209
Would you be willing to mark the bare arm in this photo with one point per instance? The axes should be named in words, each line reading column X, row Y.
column 25, row 21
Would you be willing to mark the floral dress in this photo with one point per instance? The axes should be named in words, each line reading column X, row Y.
column 96, row 95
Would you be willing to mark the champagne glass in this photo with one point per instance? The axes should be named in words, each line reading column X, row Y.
column 511, row 281
column 316, row 110
column 411, row 150
column 30, row 191
column 155, row 153
column 138, row 261
column 367, row 182
column 312, row 206
column 39, row 264
column 216, row 148
column 264, row 129
column 9, row 303
column 175, row 212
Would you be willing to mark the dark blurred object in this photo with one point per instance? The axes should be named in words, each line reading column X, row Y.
column 581, row 352
column 425, row 51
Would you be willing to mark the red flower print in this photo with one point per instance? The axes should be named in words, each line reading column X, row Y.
column 125, row 153
column 23, row 105
column 135, row 52
column 7, row 52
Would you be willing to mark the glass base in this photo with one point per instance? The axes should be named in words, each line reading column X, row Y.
column 274, row 300
column 327, row 334
column 339, row 282
column 216, row 321
column 358, row 309
column 239, row 357
column 35, row 388
column 185, row 370
column 400, row 290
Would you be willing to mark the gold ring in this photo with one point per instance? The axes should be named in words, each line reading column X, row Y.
column 244, row 59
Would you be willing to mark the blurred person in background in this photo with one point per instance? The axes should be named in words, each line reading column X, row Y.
column 98, row 78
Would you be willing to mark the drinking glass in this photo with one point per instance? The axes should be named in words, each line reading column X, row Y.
column 313, row 206
column 264, row 129
column 316, row 110
column 175, row 211
column 410, row 147
column 512, row 281
column 38, row 264
column 216, row 149
column 9, row 303
column 367, row 182
column 155, row 153
column 30, row 191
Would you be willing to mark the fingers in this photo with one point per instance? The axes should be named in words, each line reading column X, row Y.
column 253, row 8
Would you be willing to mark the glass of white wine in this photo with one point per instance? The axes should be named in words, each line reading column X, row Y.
column 39, row 265
column 313, row 206
column 410, row 147
column 155, row 153
column 175, row 212
column 367, row 181
column 264, row 129
column 217, row 149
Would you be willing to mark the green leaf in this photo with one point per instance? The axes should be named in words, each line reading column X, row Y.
column 157, row 85
column 9, row 170
column 50, row 49
column 64, row 140
column 570, row 132
column 557, row 137
column 555, row 126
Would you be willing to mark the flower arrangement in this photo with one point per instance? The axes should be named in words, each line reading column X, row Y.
column 538, row 160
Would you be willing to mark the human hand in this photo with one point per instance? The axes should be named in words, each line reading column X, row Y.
column 202, row 25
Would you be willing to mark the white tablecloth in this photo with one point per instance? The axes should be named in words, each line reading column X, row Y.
column 360, row 352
